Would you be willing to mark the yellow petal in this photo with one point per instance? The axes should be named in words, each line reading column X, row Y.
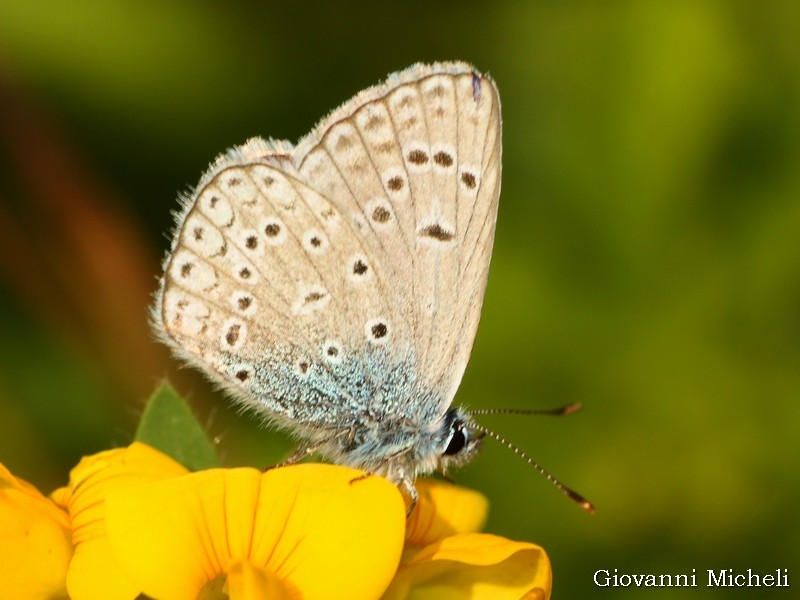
column 351, row 528
column 94, row 574
column 443, row 510
column 315, row 527
column 35, row 542
column 247, row 582
column 61, row 497
column 475, row 566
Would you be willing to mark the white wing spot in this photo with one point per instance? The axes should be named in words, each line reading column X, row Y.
column 444, row 158
column 274, row 230
column 311, row 298
column 468, row 178
column 244, row 303
column 403, row 99
column 244, row 272
column 377, row 330
column 193, row 274
column 332, row 352
column 250, row 241
column 418, row 157
column 274, row 188
column 327, row 213
column 185, row 313
column 358, row 269
column 239, row 186
column 315, row 242
column 436, row 233
column 233, row 334
column 203, row 237
column 302, row 366
column 380, row 213
column 263, row 176
column 216, row 207
column 242, row 372
column 395, row 183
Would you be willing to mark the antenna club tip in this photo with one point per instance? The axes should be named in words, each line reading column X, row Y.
column 574, row 407
column 580, row 500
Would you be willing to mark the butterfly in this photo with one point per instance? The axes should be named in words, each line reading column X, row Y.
column 335, row 286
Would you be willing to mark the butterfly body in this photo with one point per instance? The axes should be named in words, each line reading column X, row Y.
column 335, row 287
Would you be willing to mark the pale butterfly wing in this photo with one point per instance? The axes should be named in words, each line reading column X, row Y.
column 262, row 288
column 417, row 163
column 344, row 275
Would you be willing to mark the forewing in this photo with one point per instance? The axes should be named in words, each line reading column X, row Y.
column 415, row 163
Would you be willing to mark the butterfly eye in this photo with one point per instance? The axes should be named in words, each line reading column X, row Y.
column 456, row 443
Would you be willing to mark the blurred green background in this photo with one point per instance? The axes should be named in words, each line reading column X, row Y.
column 647, row 259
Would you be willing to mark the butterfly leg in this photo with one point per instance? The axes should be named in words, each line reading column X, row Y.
column 408, row 485
column 295, row 457
column 301, row 453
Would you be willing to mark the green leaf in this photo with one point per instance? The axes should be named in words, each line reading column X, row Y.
column 169, row 425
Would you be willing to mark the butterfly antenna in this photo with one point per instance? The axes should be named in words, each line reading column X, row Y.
column 563, row 410
column 569, row 493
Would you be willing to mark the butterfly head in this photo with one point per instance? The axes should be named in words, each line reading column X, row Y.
column 459, row 441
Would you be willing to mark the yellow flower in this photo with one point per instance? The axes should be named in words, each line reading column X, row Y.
column 95, row 572
column 35, row 545
column 444, row 557
column 307, row 531
column 140, row 523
